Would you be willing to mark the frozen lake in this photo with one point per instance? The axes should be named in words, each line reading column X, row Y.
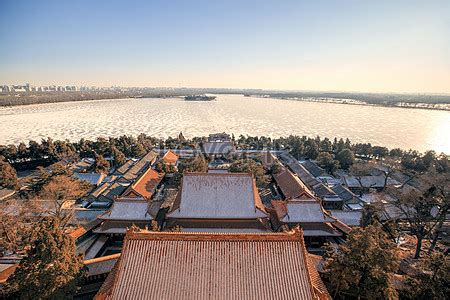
column 391, row 127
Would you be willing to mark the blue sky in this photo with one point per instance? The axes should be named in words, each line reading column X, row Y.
column 401, row 46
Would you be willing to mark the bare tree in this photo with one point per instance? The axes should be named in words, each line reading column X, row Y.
column 424, row 209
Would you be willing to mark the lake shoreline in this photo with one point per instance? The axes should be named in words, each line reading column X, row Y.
column 256, row 116
column 7, row 103
column 359, row 103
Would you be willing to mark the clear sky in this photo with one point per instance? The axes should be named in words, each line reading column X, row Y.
column 399, row 46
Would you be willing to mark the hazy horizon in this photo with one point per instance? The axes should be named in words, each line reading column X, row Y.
column 326, row 46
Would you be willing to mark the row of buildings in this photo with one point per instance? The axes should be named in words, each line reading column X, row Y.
column 215, row 234
column 29, row 88
column 211, row 227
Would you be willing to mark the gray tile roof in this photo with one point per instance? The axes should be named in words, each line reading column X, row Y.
column 313, row 168
column 368, row 181
column 218, row 196
column 305, row 212
column 133, row 210
column 343, row 192
column 218, row 147
column 350, row 218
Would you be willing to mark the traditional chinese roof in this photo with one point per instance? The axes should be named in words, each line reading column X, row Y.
column 145, row 185
column 350, row 218
column 300, row 211
column 128, row 210
column 219, row 137
column 170, row 158
column 322, row 191
column 92, row 178
column 109, row 190
column 213, row 266
column 368, row 181
column 217, row 196
column 101, row 265
column 291, row 186
column 299, row 170
column 125, row 167
column 218, row 147
column 317, row 282
column 140, row 166
column 313, row 168
column 345, row 193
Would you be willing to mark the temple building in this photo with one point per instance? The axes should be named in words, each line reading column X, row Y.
column 125, row 213
column 170, row 159
column 218, row 144
column 317, row 225
column 122, row 178
column 145, row 186
column 291, row 186
column 213, row 266
column 219, row 202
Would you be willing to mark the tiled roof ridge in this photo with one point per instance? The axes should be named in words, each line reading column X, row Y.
column 295, row 234
column 230, row 174
column 306, row 263
column 170, row 153
column 102, row 258
column 257, row 198
column 339, row 224
column 131, row 200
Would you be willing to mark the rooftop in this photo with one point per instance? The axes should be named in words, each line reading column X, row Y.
column 170, row 158
column 217, row 196
column 129, row 210
column 368, row 181
column 313, row 168
column 299, row 170
column 140, row 166
column 350, row 218
column 291, row 186
column 213, row 266
column 218, row 147
column 300, row 211
column 145, row 185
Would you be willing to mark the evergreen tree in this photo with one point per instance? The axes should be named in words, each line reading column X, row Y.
column 101, row 164
column 432, row 281
column 251, row 166
column 137, row 150
column 118, row 156
column 8, row 175
column 312, row 150
column 345, row 158
column 362, row 266
column 22, row 151
column 194, row 164
column 326, row 161
column 51, row 268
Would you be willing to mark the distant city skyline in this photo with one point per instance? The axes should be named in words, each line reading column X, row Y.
column 383, row 46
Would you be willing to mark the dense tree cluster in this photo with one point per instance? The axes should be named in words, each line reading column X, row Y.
column 432, row 281
column 251, row 166
column 326, row 160
column 8, row 175
column 301, row 147
column 193, row 164
column 362, row 266
column 51, row 269
column 48, row 151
